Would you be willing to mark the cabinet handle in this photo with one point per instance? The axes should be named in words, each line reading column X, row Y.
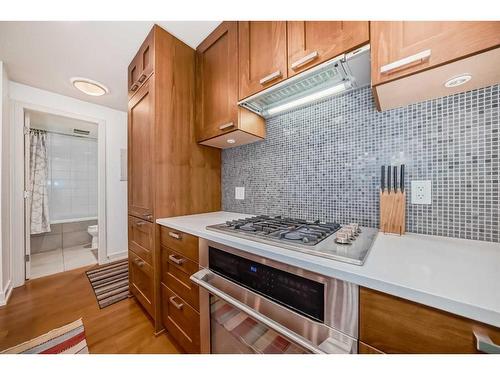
column 139, row 262
column 304, row 60
column 270, row 77
column 134, row 87
column 176, row 260
column 147, row 216
column 142, row 78
column 140, row 223
column 485, row 345
column 226, row 126
column 177, row 305
column 421, row 56
column 175, row 235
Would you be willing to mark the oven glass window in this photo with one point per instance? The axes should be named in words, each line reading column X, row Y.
column 233, row 331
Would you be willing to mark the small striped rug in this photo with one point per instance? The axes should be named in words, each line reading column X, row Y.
column 69, row 339
column 110, row 282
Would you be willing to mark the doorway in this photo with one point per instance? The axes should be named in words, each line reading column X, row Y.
column 61, row 191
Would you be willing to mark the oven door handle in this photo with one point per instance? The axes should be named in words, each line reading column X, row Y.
column 202, row 278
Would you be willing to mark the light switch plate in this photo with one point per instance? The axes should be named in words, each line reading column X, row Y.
column 239, row 192
column 421, row 192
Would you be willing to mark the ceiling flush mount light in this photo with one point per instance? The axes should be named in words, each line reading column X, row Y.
column 231, row 141
column 89, row 87
column 458, row 80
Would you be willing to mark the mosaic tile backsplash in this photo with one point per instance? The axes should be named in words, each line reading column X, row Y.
column 323, row 161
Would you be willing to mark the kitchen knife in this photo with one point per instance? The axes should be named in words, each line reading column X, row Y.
column 382, row 179
column 395, row 178
column 389, row 178
column 402, row 177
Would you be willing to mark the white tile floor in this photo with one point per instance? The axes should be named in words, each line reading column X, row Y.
column 59, row 260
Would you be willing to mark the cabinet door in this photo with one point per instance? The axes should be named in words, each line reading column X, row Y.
column 142, row 66
column 313, row 42
column 406, row 47
column 140, row 149
column 217, row 82
column 141, row 281
column 262, row 55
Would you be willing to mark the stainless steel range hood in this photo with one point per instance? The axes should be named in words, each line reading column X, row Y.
column 340, row 74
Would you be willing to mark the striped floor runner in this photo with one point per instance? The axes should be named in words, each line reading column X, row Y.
column 69, row 339
column 110, row 282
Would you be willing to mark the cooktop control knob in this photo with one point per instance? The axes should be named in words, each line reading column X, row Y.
column 343, row 236
column 356, row 227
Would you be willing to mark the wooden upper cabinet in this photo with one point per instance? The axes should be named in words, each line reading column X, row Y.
column 217, row 81
column 313, row 42
column 140, row 152
column 405, row 47
column 142, row 66
column 262, row 55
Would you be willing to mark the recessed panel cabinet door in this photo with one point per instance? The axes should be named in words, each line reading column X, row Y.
column 262, row 55
column 313, row 42
column 140, row 149
column 406, row 47
column 217, row 82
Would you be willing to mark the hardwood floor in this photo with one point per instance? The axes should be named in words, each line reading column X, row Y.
column 53, row 301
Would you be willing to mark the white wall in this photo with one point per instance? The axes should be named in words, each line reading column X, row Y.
column 116, row 139
column 5, row 181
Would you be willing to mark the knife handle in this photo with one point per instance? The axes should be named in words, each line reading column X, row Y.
column 382, row 179
column 402, row 177
column 395, row 178
column 389, row 178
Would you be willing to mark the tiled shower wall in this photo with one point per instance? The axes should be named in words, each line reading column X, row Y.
column 323, row 161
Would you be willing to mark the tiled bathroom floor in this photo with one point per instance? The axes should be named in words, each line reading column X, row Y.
column 59, row 260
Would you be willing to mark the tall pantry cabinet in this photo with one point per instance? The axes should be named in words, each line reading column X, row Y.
column 169, row 174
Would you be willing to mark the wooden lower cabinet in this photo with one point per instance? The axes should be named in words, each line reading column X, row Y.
column 141, row 281
column 367, row 349
column 394, row 325
column 181, row 320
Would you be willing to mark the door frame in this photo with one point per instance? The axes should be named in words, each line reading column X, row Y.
column 18, row 158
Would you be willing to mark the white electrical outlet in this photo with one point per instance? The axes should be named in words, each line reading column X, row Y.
column 239, row 192
column 421, row 192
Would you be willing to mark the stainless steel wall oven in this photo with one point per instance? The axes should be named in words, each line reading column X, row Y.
column 252, row 304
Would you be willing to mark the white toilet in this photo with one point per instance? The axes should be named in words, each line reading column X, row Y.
column 93, row 231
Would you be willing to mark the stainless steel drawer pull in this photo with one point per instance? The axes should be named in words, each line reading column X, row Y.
column 421, row 56
column 134, row 87
column 142, row 78
column 140, row 223
column 226, row 126
column 176, row 260
column 485, row 345
column 304, row 60
column 177, row 305
column 270, row 77
column 147, row 216
column 175, row 235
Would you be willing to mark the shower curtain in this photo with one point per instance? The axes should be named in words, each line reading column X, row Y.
column 38, row 182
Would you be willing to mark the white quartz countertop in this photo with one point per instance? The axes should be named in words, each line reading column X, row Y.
column 455, row 275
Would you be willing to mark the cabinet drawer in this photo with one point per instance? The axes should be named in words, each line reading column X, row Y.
column 141, row 281
column 176, row 276
column 141, row 238
column 181, row 320
column 183, row 243
column 142, row 66
column 394, row 325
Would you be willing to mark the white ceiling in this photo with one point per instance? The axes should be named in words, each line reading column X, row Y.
column 47, row 54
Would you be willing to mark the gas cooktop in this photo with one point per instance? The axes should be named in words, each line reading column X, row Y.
column 348, row 243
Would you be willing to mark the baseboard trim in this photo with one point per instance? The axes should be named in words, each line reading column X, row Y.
column 117, row 256
column 5, row 294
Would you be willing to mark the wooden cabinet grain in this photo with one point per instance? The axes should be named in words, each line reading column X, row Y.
column 394, row 325
column 437, row 42
column 141, row 281
column 218, row 116
column 312, row 42
column 142, row 66
column 262, row 55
